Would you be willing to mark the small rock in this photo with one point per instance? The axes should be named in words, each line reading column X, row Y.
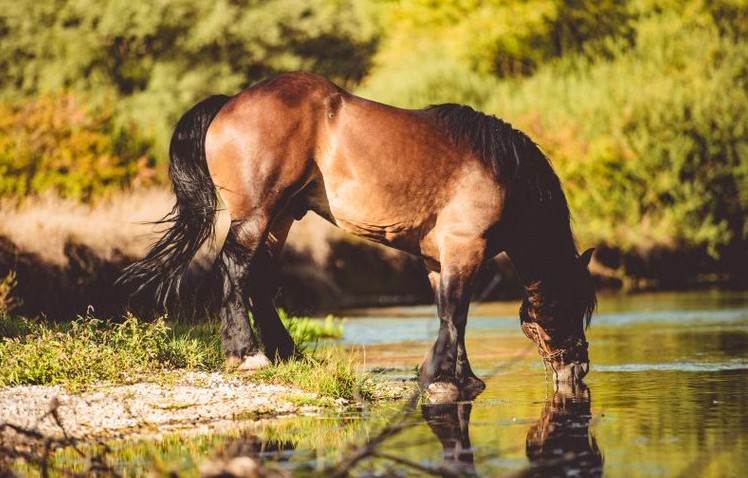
column 239, row 467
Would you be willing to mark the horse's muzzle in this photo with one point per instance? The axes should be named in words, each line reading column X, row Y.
column 569, row 372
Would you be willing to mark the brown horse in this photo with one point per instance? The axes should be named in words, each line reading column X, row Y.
column 446, row 183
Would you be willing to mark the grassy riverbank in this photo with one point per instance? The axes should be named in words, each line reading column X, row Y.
column 89, row 351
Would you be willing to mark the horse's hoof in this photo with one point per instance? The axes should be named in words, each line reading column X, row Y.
column 442, row 392
column 232, row 362
column 472, row 387
column 253, row 362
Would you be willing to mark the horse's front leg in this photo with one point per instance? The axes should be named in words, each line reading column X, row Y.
column 447, row 370
column 450, row 423
column 470, row 385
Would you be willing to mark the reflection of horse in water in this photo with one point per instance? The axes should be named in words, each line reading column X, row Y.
column 559, row 444
column 450, row 422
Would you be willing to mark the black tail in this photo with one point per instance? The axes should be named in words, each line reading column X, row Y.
column 193, row 216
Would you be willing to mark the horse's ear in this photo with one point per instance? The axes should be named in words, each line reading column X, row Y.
column 584, row 259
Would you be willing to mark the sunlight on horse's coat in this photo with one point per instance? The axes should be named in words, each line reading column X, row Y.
column 446, row 183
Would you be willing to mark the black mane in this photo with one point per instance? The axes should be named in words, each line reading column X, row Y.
column 512, row 156
column 516, row 160
column 497, row 143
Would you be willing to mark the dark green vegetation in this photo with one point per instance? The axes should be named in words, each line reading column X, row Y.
column 88, row 350
column 642, row 105
column 153, row 60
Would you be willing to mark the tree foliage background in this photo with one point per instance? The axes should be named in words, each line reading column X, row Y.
column 641, row 104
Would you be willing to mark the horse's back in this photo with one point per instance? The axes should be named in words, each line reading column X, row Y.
column 378, row 171
column 394, row 174
column 260, row 144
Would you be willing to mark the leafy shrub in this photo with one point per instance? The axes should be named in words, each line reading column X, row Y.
column 55, row 143
column 156, row 59
column 652, row 144
column 496, row 37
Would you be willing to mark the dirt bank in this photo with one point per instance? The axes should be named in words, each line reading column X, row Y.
column 67, row 255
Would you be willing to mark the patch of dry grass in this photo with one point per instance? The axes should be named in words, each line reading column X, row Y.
column 43, row 225
column 67, row 255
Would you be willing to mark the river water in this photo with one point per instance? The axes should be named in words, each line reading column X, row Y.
column 666, row 396
column 667, row 393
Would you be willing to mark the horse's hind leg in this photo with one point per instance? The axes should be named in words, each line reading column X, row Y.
column 247, row 258
column 238, row 340
column 258, row 156
column 276, row 340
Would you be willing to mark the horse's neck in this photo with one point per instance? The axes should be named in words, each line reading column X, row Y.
column 542, row 259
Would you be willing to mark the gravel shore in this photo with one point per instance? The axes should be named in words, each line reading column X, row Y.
column 193, row 400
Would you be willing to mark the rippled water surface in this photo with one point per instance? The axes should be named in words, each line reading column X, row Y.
column 668, row 390
column 666, row 397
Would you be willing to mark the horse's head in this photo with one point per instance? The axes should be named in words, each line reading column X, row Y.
column 554, row 315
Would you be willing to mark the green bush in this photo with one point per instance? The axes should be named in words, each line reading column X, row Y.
column 56, row 143
column 496, row 37
column 153, row 60
column 653, row 143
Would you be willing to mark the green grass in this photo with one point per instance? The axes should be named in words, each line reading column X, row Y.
column 88, row 350
column 329, row 372
column 307, row 331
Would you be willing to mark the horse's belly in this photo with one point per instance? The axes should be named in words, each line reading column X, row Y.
column 395, row 234
column 371, row 216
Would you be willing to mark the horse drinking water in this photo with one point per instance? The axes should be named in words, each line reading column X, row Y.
column 446, row 183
